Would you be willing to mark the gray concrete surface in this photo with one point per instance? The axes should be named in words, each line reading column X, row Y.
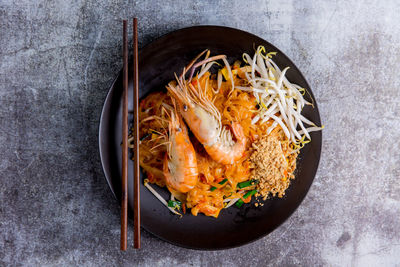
column 57, row 61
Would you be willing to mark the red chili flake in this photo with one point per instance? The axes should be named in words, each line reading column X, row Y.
column 202, row 178
column 150, row 176
column 184, row 208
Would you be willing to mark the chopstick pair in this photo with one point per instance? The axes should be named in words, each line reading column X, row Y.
column 125, row 123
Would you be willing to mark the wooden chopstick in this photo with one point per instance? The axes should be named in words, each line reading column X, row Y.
column 124, row 189
column 136, row 187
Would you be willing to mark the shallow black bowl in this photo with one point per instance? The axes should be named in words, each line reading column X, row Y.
column 234, row 227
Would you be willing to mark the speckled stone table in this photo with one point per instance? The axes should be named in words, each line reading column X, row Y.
column 57, row 61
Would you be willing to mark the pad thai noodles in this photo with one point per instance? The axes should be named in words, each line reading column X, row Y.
column 222, row 134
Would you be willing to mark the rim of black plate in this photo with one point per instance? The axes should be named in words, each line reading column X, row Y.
column 160, row 39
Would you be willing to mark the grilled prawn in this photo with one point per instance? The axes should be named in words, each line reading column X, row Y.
column 203, row 118
column 180, row 163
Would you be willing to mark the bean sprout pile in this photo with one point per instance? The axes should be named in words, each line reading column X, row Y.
column 278, row 99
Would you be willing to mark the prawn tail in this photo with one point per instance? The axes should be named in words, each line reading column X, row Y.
column 237, row 131
column 241, row 141
column 229, row 154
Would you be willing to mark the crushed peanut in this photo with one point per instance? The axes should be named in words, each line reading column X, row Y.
column 272, row 164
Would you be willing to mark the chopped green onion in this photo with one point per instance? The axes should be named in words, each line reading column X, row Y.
column 240, row 202
column 247, row 183
column 223, row 181
column 175, row 204
column 249, row 194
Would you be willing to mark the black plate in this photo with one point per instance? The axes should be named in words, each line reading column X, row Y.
column 158, row 61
